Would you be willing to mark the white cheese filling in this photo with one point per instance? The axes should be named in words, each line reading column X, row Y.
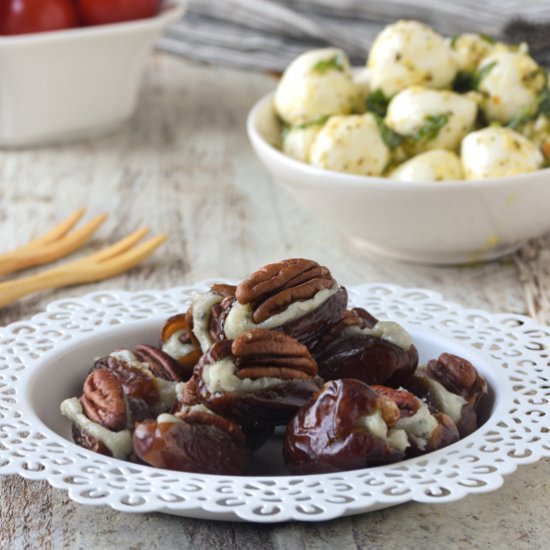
column 375, row 425
column 180, row 390
column 447, row 402
column 203, row 302
column 239, row 318
column 222, row 377
column 119, row 443
column 124, row 355
column 419, row 427
column 386, row 330
column 175, row 348
column 166, row 418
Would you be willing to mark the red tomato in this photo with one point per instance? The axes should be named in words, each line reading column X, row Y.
column 101, row 12
column 26, row 16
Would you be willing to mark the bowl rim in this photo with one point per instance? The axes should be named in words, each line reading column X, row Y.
column 508, row 343
column 327, row 178
column 169, row 12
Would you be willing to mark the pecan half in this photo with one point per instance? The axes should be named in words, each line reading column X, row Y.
column 270, row 353
column 465, row 386
column 139, row 382
column 267, row 395
column 103, row 400
column 275, row 286
column 135, row 382
column 457, row 374
column 160, row 363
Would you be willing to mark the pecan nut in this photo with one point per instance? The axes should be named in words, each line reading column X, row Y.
column 161, row 364
column 268, row 378
column 269, row 353
column 275, row 286
column 138, row 382
column 452, row 385
column 458, row 375
column 103, row 400
column 297, row 296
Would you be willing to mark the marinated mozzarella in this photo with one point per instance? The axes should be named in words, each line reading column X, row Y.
column 298, row 139
column 431, row 119
column 436, row 165
column 408, row 53
column 496, row 152
column 538, row 131
column 510, row 82
column 470, row 49
column 316, row 84
column 350, row 144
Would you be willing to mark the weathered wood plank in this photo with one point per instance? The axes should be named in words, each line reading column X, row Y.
column 183, row 166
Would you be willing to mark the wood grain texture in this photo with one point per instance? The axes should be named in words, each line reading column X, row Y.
column 183, row 166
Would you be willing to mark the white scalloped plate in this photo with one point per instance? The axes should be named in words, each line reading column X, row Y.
column 44, row 360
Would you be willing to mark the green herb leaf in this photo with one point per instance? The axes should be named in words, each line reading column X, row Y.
column 544, row 103
column 486, row 37
column 481, row 73
column 315, row 122
column 431, row 128
column 390, row 138
column 541, row 107
column 333, row 64
column 377, row 103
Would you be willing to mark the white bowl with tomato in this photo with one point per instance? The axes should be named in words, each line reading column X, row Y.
column 71, row 69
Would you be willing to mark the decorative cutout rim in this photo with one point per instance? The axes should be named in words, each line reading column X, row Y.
column 517, row 431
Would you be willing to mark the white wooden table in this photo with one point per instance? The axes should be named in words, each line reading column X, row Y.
column 183, row 166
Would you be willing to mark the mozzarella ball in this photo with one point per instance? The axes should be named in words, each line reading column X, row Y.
column 350, row 144
column 437, row 165
column 496, row 152
column 361, row 77
column 431, row 119
column 537, row 131
column 470, row 49
column 298, row 139
column 316, row 84
column 408, row 53
column 510, row 82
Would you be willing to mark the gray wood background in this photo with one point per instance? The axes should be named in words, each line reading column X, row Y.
column 183, row 166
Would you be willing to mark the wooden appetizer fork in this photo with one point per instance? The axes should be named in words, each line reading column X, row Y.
column 105, row 263
column 57, row 243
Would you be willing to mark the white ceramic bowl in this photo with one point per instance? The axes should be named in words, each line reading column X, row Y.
column 46, row 359
column 76, row 83
column 435, row 223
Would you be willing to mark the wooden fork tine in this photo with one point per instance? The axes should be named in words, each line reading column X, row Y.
column 119, row 247
column 28, row 256
column 80, row 271
column 71, row 241
column 58, row 231
column 129, row 258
